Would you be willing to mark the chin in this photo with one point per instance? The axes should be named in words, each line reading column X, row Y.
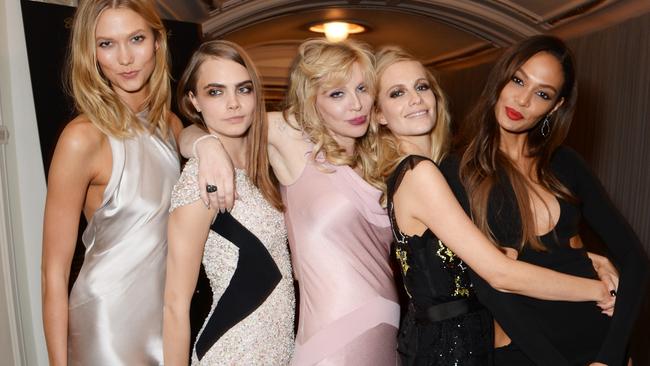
column 131, row 87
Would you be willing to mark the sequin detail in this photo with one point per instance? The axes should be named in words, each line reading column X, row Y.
column 265, row 337
column 457, row 267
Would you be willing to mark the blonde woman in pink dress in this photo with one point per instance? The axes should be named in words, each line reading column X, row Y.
column 338, row 233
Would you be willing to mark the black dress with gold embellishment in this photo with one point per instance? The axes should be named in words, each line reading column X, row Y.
column 444, row 323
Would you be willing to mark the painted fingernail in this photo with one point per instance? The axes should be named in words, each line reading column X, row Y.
column 612, row 292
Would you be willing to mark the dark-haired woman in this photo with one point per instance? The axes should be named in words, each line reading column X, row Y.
column 527, row 192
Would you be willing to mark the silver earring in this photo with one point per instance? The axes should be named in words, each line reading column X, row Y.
column 546, row 127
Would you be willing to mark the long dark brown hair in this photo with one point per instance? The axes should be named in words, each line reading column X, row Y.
column 482, row 160
column 257, row 165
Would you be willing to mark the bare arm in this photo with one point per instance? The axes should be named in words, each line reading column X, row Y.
column 427, row 198
column 73, row 168
column 215, row 167
column 176, row 127
column 287, row 148
column 186, row 234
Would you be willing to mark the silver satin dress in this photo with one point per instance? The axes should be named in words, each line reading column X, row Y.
column 116, row 303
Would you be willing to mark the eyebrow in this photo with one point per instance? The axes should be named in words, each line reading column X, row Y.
column 542, row 85
column 404, row 85
column 217, row 85
column 97, row 38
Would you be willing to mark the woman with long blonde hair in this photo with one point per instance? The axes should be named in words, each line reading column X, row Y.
column 322, row 154
column 435, row 241
column 116, row 163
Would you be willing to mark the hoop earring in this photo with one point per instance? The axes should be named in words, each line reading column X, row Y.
column 546, row 127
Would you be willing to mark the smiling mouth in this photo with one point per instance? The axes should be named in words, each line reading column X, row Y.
column 358, row 121
column 513, row 114
column 418, row 114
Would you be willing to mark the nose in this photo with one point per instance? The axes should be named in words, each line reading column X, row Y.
column 233, row 103
column 415, row 99
column 523, row 98
column 125, row 56
column 356, row 104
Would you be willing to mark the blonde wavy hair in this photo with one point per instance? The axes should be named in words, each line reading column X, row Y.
column 389, row 153
column 257, row 162
column 92, row 92
column 321, row 64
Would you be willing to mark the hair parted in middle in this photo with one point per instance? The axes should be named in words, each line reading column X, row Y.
column 92, row 92
column 388, row 149
column 257, row 165
column 321, row 64
column 482, row 160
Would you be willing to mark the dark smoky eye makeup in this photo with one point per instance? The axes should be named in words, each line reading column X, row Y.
column 213, row 92
column 396, row 93
column 246, row 88
column 422, row 86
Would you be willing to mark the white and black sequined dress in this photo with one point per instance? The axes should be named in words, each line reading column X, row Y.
column 247, row 262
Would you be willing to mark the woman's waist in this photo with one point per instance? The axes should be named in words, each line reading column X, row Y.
column 443, row 308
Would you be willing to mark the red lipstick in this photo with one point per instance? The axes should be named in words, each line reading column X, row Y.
column 513, row 114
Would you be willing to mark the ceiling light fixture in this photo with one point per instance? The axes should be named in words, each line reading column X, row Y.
column 337, row 31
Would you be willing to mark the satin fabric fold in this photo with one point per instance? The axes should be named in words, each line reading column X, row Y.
column 116, row 303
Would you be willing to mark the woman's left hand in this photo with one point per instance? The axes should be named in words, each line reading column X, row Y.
column 608, row 274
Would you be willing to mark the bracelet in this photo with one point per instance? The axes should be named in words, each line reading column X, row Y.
column 198, row 140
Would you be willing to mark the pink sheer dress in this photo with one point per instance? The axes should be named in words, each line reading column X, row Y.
column 340, row 239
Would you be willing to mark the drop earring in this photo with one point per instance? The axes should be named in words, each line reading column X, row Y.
column 546, row 127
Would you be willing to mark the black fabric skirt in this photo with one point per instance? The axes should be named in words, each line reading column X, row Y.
column 463, row 340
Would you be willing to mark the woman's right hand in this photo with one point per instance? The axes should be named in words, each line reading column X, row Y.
column 215, row 168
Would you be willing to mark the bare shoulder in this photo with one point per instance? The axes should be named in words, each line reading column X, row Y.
column 80, row 136
column 175, row 124
column 82, row 154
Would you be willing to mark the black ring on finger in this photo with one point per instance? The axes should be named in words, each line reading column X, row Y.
column 210, row 188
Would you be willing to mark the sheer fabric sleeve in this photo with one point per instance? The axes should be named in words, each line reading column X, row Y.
column 186, row 190
column 395, row 179
column 623, row 245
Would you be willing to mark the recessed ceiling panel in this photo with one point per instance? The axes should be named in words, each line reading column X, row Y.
column 426, row 38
